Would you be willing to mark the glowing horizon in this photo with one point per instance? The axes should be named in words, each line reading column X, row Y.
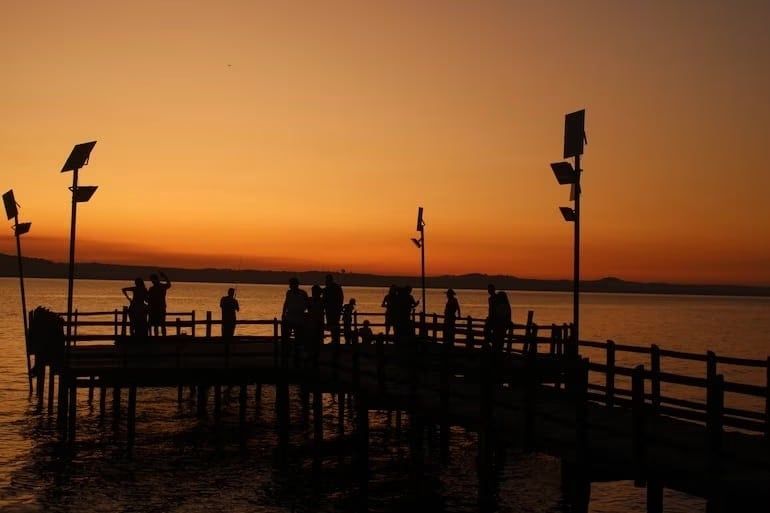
column 305, row 136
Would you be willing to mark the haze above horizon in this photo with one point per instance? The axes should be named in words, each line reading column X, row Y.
column 259, row 135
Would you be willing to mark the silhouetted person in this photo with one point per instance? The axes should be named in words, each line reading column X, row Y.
column 229, row 305
column 333, row 299
column 490, row 309
column 295, row 305
column 387, row 304
column 490, row 299
column 347, row 320
column 412, row 301
column 313, row 335
column 365, row 332
column 500, row 320
column 137, row 308
column 156, row 303
column 451, row 313
column 402, row 303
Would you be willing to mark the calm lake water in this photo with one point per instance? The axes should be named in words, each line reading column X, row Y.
column 185, row 464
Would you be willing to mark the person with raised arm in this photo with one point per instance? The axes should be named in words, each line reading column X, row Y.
column 137, row 308
column 156, row 303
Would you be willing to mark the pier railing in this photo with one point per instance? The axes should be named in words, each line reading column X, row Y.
column 620, row 375
column 610, row 411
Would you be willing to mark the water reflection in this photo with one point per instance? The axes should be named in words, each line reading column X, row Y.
column 184, row 463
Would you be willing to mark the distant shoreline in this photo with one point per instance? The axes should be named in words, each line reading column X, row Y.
column 41, row 268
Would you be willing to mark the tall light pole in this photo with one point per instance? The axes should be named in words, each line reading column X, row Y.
column 420, row 243
column 574, row 139
column 80, row 194
column 19, row 229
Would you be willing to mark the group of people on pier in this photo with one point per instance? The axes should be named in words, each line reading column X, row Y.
column 304, row 316
column 147, row 307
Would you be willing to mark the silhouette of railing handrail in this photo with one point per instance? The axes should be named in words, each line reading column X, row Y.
column 470, row 332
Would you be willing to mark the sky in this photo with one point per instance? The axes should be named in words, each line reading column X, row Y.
column 304, row 135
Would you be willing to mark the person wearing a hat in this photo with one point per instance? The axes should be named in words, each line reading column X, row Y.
column 451, row 313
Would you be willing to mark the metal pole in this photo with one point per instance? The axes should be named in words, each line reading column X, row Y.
column 71, row 275
column 576, row 287
column 422, row 258
column 23, row 301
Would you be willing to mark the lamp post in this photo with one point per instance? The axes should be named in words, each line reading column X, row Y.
column 80, row 194
column 565, row 173
column 420, row 243
column 19, row 229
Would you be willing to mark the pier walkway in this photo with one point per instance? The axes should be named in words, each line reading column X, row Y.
column 606, row 421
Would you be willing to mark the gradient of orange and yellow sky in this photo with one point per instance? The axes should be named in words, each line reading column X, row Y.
column 303, row 135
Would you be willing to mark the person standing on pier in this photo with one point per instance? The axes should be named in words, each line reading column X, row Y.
column 451, row 313
column 347, row 320
column 387, row 304
column 137, row 308
column 403, row 304
column 229, row 305
column 295, row 305
column 156, row 303
column 501, row 320
column 333, row 299
column 498, row 317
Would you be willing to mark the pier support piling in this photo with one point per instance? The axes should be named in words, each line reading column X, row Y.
column 242, row 403
column 51, row 387
column 72, row 415
column 317, row 429
column 131, row 418
column 654, row 496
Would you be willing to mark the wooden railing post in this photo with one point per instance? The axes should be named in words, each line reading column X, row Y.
column 711, row 365
column 469, row 332
column 381, row 362
column 767, row 403
column 530, row 345
column 571, row 345
column 192, row 321
column 554, row 349
column 178, row 326
column 208, row 323
column 124, row 321
column 637, row 398
column 276, row 342
column 655, row 376
column 714, row 426
column 610, row 375
column 435, row 328
column 356, row 360
column 115, row 322
column 74, row 327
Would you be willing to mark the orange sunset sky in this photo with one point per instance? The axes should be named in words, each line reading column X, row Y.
column 303, row 135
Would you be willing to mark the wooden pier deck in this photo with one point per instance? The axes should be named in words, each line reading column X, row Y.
column 541, row 400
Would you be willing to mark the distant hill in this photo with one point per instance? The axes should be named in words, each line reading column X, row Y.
column 40, row 268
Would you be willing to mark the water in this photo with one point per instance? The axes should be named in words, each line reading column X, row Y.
column 185, row 464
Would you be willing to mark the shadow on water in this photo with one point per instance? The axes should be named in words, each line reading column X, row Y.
column 184, row 463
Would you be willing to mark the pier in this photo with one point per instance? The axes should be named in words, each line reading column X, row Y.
column 604, row 419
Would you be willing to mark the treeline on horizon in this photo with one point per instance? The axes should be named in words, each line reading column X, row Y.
column 41, row 268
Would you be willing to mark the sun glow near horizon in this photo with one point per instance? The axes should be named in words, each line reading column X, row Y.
column 256, row 135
